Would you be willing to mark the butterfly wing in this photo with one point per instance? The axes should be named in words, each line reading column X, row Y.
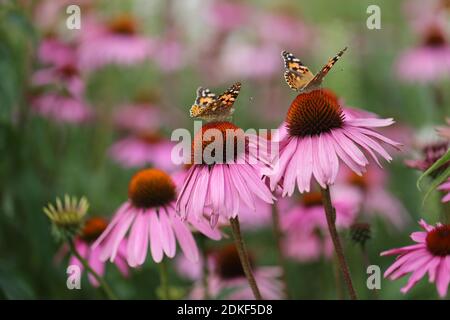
column 204, row 97
column 317, row 80
column 221, row 107
column 296, row 75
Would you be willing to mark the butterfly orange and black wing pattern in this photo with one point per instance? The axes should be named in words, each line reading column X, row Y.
column 299, row 77
column 204, row 97
column 219, row 108
column 296, row 75
column 317, row 80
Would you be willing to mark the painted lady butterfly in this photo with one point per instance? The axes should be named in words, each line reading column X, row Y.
column 208, row 106
column 298, row 76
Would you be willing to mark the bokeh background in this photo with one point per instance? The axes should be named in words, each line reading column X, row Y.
column 48, row 150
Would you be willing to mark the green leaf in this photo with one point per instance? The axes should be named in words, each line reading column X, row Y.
column 442, row 160
column 437, row 181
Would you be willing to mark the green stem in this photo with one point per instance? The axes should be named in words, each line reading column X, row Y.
column 243, row 256
column 165, row 291
column 337, row 278
column 106, row 288
column 278, row 237
column 331, row 221
column 203, row 248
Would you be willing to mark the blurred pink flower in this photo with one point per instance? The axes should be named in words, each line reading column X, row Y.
column 376, row 199
column 285, row 29
column 149, row 214
column 225, row 273
column 192, row 271
column 170, row 55
column 66, row 76
column 139, row 117
column 319, row 134
column 115, row 43
column 445, row 187
column 430, row 255
column 251, row 61
column 219, row 189
column 433, row 57
column 444, row 131
column 430, row 154
column 142, row 149
column 56, row 52
column 227, row 15
column 305, row 226
column 61, row 108
column 91, row 231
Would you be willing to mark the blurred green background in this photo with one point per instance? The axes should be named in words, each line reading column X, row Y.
column 42, row 159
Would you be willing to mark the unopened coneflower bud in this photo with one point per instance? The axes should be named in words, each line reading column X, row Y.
column 360, row 233
column 67, row 216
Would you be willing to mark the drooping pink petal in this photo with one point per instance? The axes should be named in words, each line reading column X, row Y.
column 443, row 276
column 185, row 239
column 167, row 235
column 139, row 237
column 155, row 239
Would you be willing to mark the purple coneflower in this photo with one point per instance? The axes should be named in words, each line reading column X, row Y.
column 116, row 42
column 150, row 216
column 220, row 188
column 93, row 228
column 141, row 149
column 304, row 225
column 430, row 254
column 433, row 55
column 225, row 273
column 319, row 136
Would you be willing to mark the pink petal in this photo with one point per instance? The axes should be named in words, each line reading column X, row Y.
column 359, row 122
column 290, row 173
column 117, row 235
column 245, row 194
column 217, row 191
column 155, row 239
column 138, row 240
column 185, row 239
column 419, row 236
column 318, row 171
column 285, row 157
column 443, row 276
column 358, row 169
column 255, row 184
column 418, row 274
column 349, row 147
column 199, row 192
column 97, row 265
column 120, row 212
column 304, row 168
column 167, row 235
column 380, row 137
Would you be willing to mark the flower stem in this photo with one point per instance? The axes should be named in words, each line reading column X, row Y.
column 203, row 247
column 278, row 235
column 331, row 221
column 337, row 278
column 243, row 256
column 165, row 292
column 106, row 288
